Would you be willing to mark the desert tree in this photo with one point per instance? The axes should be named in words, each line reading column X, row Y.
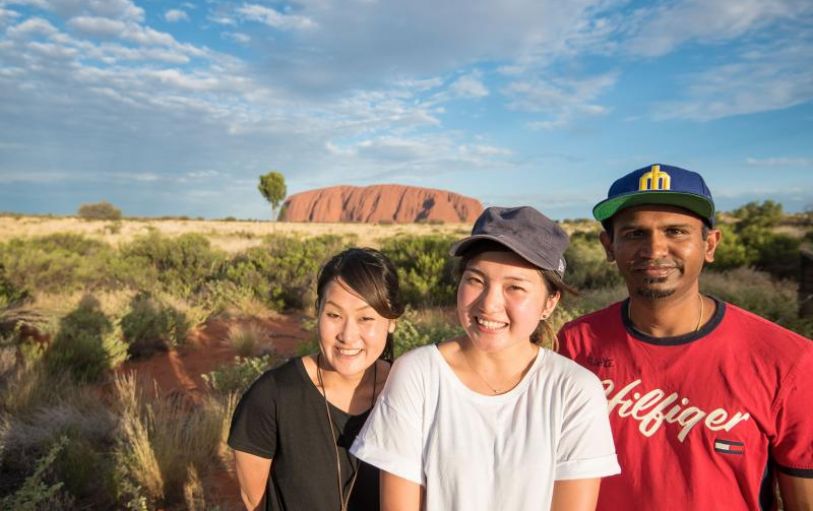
column 272, row 187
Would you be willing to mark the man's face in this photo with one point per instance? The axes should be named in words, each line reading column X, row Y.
column 659, row 250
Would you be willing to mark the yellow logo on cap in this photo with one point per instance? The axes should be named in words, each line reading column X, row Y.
column 655, row 179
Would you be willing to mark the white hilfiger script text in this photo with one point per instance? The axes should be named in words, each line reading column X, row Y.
column 654, row 408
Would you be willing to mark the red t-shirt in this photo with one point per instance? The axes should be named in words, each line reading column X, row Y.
column 700, row 420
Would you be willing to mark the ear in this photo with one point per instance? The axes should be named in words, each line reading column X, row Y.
column 550, row 304
column 391, row 327
column 712, row 242
column 607, row 243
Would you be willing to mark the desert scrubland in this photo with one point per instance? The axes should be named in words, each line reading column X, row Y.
column 124, row 344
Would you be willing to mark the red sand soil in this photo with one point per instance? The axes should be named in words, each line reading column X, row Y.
column 178, row 372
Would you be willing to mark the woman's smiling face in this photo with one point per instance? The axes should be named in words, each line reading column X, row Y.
column 500, row 300
column 352, row 335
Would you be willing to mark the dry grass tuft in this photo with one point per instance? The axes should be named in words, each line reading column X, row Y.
column 246, row 338
column 160, row 441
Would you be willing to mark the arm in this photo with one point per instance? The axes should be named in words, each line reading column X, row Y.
column 575, row 495
column 797, row 492
column 399, row 494
column 252, row 473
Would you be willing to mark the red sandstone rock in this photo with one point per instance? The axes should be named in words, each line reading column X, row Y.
column 380, row 203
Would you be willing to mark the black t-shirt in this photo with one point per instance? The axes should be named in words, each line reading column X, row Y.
column 282, row 417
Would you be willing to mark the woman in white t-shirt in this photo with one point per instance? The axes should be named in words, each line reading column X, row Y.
column 490, row 420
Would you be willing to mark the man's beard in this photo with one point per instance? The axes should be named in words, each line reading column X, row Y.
column 654, row 292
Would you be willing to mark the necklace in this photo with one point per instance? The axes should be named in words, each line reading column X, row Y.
column 343, row 499
column 696, row 327
column 496, row 391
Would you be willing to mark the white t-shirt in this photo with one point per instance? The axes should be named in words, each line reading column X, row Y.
column 475, row 452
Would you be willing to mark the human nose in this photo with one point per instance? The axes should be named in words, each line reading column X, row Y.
column 655, row 246
column 349, row 331
column 491, row 299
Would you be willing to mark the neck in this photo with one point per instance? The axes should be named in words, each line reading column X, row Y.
column 669, row 317
column 335, row 380
column 504, row 361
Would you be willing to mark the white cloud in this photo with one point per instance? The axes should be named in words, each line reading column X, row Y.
column 561, row 100
column 468, row 86
column 660, row 29
column 771, row 76
column 31, row 27
column 274, row 18
column 97, row 26
column 175, row 15
column 237, row 37
column 783, row 161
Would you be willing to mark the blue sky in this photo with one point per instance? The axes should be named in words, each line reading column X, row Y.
column 175, row 108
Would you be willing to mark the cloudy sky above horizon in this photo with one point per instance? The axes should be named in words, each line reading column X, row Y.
column 175, row 108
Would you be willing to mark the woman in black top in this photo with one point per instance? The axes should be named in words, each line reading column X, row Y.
column 292, row 429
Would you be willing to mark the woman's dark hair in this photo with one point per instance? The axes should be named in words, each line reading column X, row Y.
column 371, row 274
column 553, row 283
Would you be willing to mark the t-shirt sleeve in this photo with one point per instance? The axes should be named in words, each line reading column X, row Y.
column 792, row 447
column 585, row 448
column 392, row 437
column 254, row 423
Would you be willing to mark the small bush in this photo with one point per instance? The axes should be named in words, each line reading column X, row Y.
column 99, row 211
column 282, row 273
column 236, row 378
column 425, row 269
column 58, row 263
column 414, row 330
column 79, row 347
column 36, row 493
column 245, row 338
column 152, row 326
column 587, row 265
column 180, row 264
column 755, row 291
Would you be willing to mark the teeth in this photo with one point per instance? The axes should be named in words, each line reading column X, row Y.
column 493, row 325
column 349, row 352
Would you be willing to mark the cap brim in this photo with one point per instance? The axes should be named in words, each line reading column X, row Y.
column 459, row 248
column 697, row 204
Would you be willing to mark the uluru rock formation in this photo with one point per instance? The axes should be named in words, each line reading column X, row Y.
column 380, row 203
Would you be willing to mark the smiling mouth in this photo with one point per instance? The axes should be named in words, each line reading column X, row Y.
column 345, row 352
column 490, row 325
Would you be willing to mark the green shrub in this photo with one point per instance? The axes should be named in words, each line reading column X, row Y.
column 151, row 326
column 236, row 377
column 282, row 273
column 413, row 331
column 36, row 493
column 755, row 291
column 587, row 265
column 79, row 347
column 99, row 211
column 730, row 252
column 425, row 269
column 180, row 264
column 58, row 263
column 10, row 295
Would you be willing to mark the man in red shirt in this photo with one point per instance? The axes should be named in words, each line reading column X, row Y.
column 709, row 404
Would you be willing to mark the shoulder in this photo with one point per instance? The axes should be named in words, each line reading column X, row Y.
column 760, row 326
column 288, row 374
column 568, row 373
column 419, row 357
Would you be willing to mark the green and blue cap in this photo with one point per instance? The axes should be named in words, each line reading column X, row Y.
column 658, row 184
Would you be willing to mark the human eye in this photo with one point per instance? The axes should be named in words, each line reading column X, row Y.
column 366, row 319
column 677, row 231
column 332, row 315
column 515, row 288
column 632, row 234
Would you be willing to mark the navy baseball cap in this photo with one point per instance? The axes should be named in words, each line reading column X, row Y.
column 662, row 185
column 525, row 231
